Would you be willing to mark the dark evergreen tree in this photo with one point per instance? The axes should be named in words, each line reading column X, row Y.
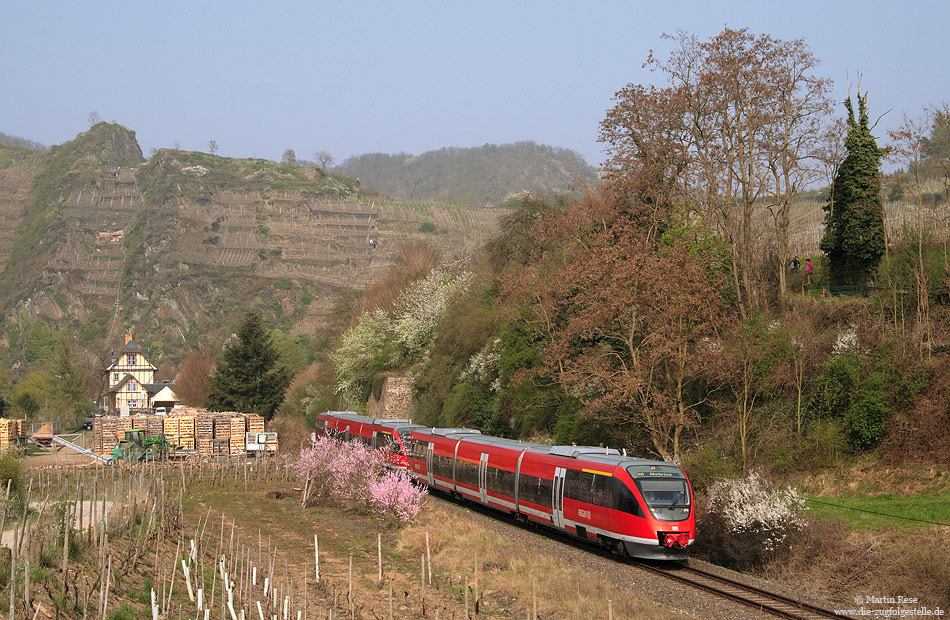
column 854, row 220
column 249, row 377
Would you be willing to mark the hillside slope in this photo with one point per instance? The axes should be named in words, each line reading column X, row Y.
column 97, row 240
column 475, row 176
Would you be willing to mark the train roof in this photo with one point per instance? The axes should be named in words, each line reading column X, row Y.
column 355, row 417
column 595, row 454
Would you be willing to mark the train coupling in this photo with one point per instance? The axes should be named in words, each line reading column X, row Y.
column 674, row 540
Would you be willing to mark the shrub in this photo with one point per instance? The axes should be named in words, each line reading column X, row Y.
column 746, row 523
column 395, row 497
column 427, row 227
column 353, row 475
column 866, row 419
column 11, row 470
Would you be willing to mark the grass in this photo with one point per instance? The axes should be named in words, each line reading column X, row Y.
column 894, row 510
column 506, row 569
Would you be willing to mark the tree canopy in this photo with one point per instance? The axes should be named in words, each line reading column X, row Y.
column 249, row 377
column 854, row 220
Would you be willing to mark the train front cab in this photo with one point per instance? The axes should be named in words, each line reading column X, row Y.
column 641, row 506
column 667, row 526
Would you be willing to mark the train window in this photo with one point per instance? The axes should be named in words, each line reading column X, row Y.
column 321, row 425
column 501, row 481
column 466, row 472
column 419, row 449
column 623, row 499
column 442, row 466
column 386, row 442
column 535, row 490
column 589, row 487
column 577, row 485
column 668, row 499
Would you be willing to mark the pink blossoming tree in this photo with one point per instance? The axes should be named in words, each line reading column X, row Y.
column 353, row 475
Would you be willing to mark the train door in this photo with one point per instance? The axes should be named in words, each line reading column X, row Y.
column 557, row 497
column 483, row 478
column 429, row 463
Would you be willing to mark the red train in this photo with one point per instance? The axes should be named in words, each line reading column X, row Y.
column 641, row 507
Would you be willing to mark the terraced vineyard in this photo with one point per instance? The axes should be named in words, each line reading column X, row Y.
column 184, row 242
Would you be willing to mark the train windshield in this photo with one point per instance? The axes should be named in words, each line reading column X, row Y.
column 668, row 499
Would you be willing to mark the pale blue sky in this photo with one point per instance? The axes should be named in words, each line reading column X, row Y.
column 356, row 77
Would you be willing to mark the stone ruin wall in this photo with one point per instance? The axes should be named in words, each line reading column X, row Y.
column 395, row 401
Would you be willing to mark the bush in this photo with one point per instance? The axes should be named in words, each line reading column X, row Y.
column 746, row 523
column 395, row 497
column 867, row 418
column 707, row 464
column 11, row 470
column 352, row 475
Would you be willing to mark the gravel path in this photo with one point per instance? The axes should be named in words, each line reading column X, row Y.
column 683, row 601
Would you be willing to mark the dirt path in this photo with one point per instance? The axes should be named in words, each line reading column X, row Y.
column 87, row 517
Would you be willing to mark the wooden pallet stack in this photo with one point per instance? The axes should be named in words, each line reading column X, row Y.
column 122, row 425
column 238, row 446
column 222, row 436
column 109, row 436
column 171, row 428
column 187, row 428
column 255, row 423
column 10, row 433
column 204, row 435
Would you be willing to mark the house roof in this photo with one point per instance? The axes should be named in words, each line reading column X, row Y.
column 131, row 347
column 124, row 380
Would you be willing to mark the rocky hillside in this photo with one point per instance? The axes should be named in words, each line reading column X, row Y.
column 98, row 240
column 474, row 176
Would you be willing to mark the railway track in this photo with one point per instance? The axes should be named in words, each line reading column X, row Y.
column 763, row 600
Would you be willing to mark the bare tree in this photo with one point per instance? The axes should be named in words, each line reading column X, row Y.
column 212, row 146
column 751, row 116
column 907, row 147
column 324, row 158
column 791, row 139
column 94, row 117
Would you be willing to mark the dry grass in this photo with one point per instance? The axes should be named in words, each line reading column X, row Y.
column 830, row 562
column 876, row 477
column 412, row 261
column 506, row 570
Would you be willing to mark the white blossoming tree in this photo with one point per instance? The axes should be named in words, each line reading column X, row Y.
column 747, row 522
column 420, row 307
column 364, row 350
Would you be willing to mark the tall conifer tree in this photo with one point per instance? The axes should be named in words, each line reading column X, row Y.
column 854, row 220
column 249, row 377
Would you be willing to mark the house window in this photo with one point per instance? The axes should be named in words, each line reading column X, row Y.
column 115, row 377
column 130, row 359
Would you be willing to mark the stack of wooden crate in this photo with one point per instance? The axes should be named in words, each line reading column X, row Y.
column 122, row 425
column 10, row 432
column 109, row 434
column 238, row 430
column 204, row 434
column 188, row 428
column 171, row 430
column 222, row 436
column 255, row 423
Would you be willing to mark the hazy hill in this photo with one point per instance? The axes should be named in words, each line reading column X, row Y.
column 474, row 176
column 98, row 240
column 22, row 142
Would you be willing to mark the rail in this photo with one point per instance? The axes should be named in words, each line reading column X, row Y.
column 763, row 600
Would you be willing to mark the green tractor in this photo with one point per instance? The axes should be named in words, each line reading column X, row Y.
column 136, row 447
